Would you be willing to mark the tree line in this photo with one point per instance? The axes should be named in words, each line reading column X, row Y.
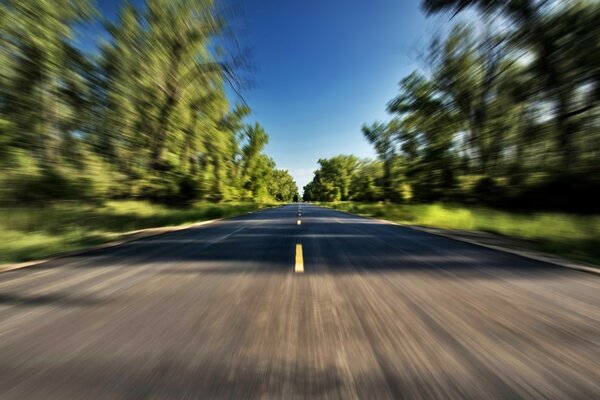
column 144, row 116
column 506, row 113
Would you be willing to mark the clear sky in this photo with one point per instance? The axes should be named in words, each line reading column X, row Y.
column 320, row 69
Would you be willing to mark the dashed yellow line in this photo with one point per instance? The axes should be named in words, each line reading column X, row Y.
column 299, row 267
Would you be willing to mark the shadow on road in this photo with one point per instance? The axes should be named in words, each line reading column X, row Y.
column 335, row 244
column 49, row 299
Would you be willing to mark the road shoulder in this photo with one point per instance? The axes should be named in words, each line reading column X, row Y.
column 493, row 241
column 123, row 238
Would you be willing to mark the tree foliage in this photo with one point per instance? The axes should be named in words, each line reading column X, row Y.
column 507, row 113
column 148, row 116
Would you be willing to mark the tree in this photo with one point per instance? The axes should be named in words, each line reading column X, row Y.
column 427, row 126
column 253, row 163
column 333, row 180
column 337, row 172
column 177, row 59
column 149, row 117
column 506, row 114
column 381, row 136
column 365, row 185
column 35, row 83
column 120, row 133
column 282, row 187
column 561, row 38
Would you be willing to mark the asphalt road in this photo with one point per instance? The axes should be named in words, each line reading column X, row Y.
column 219, row 311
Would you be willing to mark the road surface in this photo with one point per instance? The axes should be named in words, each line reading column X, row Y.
column 231, row 310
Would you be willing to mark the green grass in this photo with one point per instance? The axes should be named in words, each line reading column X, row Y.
column 571, row 236
column 33, row 233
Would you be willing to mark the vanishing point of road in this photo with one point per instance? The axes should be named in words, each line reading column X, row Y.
column 333, row 306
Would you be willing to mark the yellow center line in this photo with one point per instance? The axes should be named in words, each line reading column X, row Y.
column 299, row 267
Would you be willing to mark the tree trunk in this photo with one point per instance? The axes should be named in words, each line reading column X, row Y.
column 172, row 93
column 565, row 132
column 162, row 132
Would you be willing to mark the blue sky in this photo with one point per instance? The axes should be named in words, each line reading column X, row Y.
column 320, row 69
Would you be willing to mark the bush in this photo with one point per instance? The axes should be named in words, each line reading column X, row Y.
column 170, row 189
column 570, row 192
column 488, row 191
column 23, row 180
column 188, row 189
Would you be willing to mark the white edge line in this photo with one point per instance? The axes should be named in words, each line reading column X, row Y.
column 525, row 254
column 142, row 234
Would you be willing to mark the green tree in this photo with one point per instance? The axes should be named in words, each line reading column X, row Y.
column 38, row 77
column 254, row 164
column 562, row 38
column 120, row 135
column 382, row 137
column 147, row 117
column 282, row 186
column 365, row 184
column 426, row 130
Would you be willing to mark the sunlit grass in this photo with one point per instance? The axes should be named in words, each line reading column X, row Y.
column 572, row 236
column 32, row 233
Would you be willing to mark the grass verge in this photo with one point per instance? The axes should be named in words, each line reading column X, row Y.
column 33, row 233
column 571, row 236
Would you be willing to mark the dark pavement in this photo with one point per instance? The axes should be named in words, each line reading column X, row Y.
column 218, row 311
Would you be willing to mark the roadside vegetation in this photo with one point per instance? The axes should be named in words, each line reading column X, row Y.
column 505, row 112
column 143, row 116
column 28, row 233
column 502, row 121
column 138, row 132
column 567, row 235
